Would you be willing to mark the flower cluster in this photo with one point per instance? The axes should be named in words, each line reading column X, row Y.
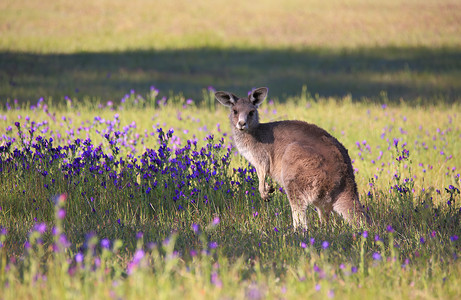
column 181, row 178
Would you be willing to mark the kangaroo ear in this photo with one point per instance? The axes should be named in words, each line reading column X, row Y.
column 225, row 98
column 257, row 96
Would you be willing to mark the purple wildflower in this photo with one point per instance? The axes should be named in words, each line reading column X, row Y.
column 105, row 243
column 317, row 268
column 79, row 257
column 390, row 229
column 40, row 227
column 61, row 213
column 63, row 241
column 138, row 255
column 195, row 228
column 215, row 279
column 377, row 256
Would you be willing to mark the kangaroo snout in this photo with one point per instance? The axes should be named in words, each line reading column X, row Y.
column 241, row 125
column 312, row 166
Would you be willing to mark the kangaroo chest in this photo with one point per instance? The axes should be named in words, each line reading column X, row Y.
column 253, row 151
column 247, row 153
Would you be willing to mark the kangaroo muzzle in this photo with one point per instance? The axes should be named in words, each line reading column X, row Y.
column 242, row 124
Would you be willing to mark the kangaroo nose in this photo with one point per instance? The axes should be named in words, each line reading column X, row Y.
column 241, row 124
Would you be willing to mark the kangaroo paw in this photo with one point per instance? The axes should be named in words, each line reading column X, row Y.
column 266, row 197
column 269, row 188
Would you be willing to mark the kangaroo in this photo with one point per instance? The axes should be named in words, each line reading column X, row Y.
column 312, row 166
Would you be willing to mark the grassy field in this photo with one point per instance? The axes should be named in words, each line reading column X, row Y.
column 103, row 49
column 119, row 178
column 150, row 198
column 94, row 26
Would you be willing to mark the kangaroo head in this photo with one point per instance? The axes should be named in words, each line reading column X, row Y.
column 244, row 111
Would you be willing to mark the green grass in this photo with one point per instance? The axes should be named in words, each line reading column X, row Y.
column 257, row 252
column 409, row 49
column 370, row 73
column 61, row 27
column 416, row 75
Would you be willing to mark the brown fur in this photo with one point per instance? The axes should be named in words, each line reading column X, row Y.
column 312, row 166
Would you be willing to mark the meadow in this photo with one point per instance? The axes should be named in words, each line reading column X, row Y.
column 148, row 197
column 102, row 49
column 118, row 175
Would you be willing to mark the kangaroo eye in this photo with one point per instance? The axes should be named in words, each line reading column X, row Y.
column 235, row 112
column 251, row 113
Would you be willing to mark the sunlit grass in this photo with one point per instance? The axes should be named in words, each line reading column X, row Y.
column 65, row 27
column 140, row 226
column 105, row 195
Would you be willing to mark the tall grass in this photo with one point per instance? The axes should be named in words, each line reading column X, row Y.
column 148, row 198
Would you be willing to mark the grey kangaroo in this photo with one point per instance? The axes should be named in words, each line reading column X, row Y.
column 312, row 166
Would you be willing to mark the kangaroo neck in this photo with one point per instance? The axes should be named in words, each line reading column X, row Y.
column 249, row 134
column 245, row 140
column 247, row 145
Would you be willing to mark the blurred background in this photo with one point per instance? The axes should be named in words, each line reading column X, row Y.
column 394, row 50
